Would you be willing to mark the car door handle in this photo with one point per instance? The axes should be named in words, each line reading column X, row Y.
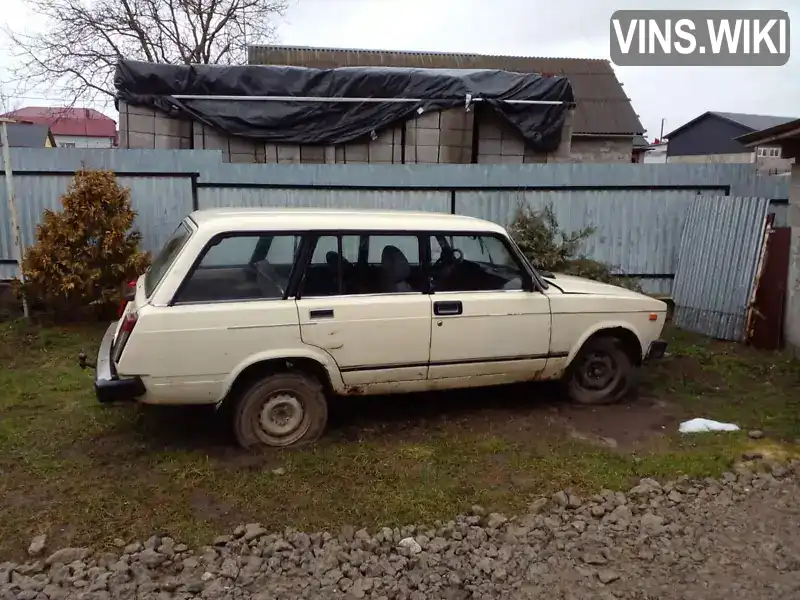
column 447, row 307
column 321, row 313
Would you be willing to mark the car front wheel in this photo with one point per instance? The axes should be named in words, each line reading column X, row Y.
column 600, row 373
column 280, row 410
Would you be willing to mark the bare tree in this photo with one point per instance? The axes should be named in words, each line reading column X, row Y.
column 7, row 102
column 77, row 49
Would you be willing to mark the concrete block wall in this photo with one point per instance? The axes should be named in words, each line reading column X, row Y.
column 436, row 137
column 499, row 143
column 601, row 150
column 148, row 128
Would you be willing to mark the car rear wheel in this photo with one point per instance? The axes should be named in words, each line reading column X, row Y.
column 601, row 373
column 280, row 410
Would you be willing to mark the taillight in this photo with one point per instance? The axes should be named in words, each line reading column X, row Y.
column 128, row 294
column 125, row 330
column 129, row 323
column 129, row 291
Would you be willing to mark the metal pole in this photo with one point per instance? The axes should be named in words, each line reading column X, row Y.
column 334, row 99
column 12, row 206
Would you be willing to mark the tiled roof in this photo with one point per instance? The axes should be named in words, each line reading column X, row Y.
column 82, row 122
column 602, row 106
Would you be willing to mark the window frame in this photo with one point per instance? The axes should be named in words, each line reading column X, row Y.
column 363, row 254
column 191, row 228
column 216, row 239
column 530, row 279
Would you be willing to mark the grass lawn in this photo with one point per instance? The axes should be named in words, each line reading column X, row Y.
column 86, row 474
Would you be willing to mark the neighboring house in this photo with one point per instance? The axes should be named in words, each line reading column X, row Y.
column 604, row 125
column 712, row 138
column 786, row 136
column 29, row 135
column 656, row 153
column 72, row 127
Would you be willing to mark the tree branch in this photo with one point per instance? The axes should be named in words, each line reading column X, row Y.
column 82, row 41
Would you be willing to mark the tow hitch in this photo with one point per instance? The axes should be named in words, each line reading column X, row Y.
column 84, row 363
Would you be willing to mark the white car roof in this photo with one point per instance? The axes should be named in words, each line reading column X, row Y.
column 311, row 219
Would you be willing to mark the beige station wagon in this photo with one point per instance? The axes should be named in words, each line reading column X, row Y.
column 271, row 312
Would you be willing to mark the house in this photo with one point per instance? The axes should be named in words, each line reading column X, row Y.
column 604, row 126
column 29, row 135
column 712, row 138
column 786, row 137
column 593, row 122
column 72, row 127
column 655, row 153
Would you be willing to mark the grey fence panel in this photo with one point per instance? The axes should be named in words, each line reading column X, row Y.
column 160, row 203
column 122, row 161
column 428, row 201
column 719, row 255
column 636, row 231
column 741, row 180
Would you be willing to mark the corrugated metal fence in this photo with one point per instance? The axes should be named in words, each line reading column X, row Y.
column 638, row 211
column 723, row 236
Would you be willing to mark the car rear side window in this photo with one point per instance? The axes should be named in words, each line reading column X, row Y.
column 164, row 259
column 242, row 267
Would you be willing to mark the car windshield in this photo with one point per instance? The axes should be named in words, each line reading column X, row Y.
column 163, row 261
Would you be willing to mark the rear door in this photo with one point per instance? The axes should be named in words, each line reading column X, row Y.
column 368, row 307
column 487, row 322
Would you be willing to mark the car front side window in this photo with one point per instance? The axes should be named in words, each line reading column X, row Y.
column 467, row 263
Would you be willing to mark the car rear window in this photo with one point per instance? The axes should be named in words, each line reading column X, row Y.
column 164, row 259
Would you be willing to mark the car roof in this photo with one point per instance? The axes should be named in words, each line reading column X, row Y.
column 311, row 219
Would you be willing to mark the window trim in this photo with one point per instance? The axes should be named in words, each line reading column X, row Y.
column 532, row 281
column 214, row 241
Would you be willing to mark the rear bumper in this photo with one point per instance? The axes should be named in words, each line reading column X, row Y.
column 108, row 386
column 656, row 350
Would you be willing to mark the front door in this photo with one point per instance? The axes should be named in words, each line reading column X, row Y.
column 363, row 300
column 484, row 324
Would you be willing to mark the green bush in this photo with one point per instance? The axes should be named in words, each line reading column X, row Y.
column 551, row 249
column 84, row 254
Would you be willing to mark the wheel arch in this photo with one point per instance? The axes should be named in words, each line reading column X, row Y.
column 322, row 367
column 624, row 332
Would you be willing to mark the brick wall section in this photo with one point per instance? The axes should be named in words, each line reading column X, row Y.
column 432, row 138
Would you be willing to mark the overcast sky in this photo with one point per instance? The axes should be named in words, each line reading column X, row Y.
column 566, row 28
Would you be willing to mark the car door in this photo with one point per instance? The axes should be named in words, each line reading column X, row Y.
column 364, row 300
column 485, row 323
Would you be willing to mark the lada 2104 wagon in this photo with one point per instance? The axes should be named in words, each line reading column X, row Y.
column 271, row 312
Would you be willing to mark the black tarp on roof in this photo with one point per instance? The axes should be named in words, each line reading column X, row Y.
column 303, row 122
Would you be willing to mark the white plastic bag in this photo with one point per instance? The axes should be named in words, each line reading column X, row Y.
column 702, row 425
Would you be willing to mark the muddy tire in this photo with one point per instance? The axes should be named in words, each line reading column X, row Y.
column 280, row 410
column 600, row 373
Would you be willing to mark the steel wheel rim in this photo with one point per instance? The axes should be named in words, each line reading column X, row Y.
column 281, row 419
column 598, row 371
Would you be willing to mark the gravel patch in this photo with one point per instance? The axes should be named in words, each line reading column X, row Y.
column 738, row 537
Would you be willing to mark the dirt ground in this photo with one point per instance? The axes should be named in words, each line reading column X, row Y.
column 87, row 474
